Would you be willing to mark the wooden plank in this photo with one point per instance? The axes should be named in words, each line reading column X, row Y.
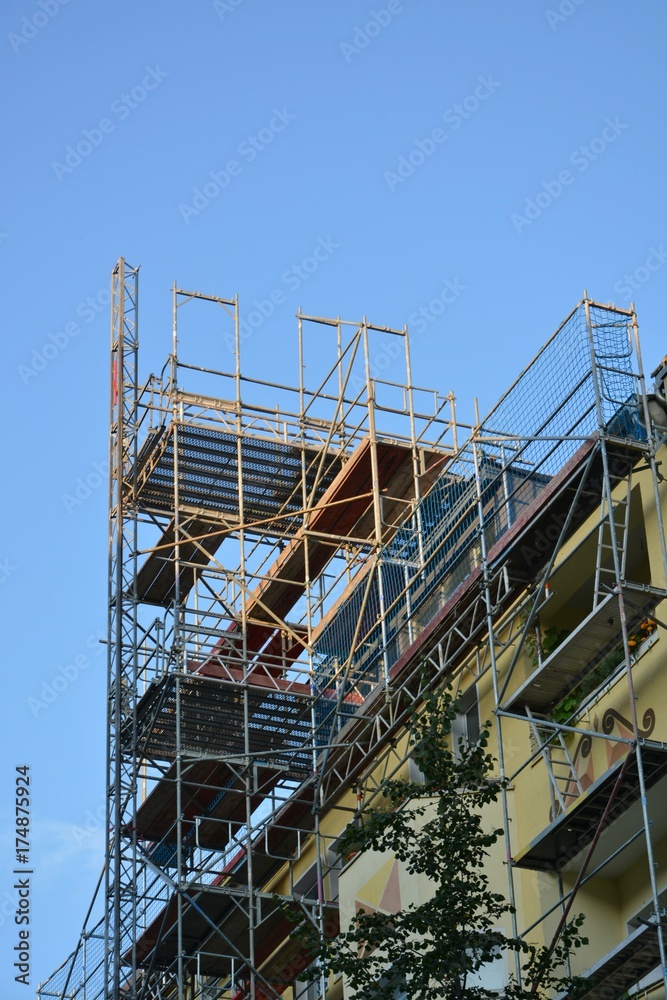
column 156, row 583
column 345, row 509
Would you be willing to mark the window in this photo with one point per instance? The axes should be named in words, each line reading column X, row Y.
column 307, row 991
column 466, row 724
column 334, row 865
column 306, row 886
column 491, row 976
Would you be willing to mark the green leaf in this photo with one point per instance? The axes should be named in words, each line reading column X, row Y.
column 434, row 949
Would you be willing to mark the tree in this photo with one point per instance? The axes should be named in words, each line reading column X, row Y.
column 437, row 829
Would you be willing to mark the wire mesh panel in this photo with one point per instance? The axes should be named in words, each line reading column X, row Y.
column 209, row 474
column 553, row 404
column 582, row 383
column 194, row 715
column 619, row 389
column 83, row 975
column 348, row 656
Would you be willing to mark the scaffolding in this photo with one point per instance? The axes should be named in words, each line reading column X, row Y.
column 286, row 582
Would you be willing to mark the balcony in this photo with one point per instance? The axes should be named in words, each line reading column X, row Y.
column 568, row 836
column 623, row 966
column 599, row 634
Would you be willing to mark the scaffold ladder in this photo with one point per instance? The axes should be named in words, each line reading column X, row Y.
column 612, row 535
column 563, row 776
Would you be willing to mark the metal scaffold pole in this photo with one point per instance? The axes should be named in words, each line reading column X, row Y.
column 121, row 863
column 491, row 640
column 619, row 581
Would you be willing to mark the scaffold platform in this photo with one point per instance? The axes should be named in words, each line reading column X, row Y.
column 573, row 830
column 157, row 581
column 621, row 968
column 213, row 801
column 211, row 718
column 207, row 464
column 221, row 952
column 580, row 652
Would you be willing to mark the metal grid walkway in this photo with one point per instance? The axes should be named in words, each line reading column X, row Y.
column 208, row 474
column 212, row 722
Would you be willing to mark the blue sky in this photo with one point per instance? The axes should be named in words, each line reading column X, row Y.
column 463, row 165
